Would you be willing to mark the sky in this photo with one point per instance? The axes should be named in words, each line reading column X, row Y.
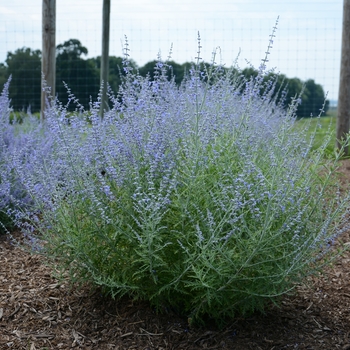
column 306, row 45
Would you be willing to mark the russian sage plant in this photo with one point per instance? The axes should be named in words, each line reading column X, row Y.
column 6, row 134
column 203, row 197
column 23, row 143
column 12, row 193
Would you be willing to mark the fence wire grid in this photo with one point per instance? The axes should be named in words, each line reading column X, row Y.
column 307, row 43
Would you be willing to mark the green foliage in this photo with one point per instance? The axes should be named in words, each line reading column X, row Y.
column 312, row 98
column 116, row 72
column 176, row 71
column 320, row 129
column 3, row 74
column 6, row 223
column 311, row 94
column 80, row 75
column 24, row 65
column 83, row 78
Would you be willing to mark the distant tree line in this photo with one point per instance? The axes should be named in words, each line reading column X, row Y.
column 82, row 76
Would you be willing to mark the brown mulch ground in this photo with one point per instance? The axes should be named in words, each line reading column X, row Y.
column 36, row 312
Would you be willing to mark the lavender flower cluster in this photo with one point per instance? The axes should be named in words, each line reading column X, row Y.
column 12, row 143
column 203, row 197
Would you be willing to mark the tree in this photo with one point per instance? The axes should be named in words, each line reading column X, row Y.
column 176, row 70
column 148, row 68
column 80, row 75
column 71, row 50
column 3, row 75
column 312, row 98
column 25, row 89
column 115, row 70
column 83, row 78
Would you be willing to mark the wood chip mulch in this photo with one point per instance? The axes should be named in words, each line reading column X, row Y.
column 38, row 312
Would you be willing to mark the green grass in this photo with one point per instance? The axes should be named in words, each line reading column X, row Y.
column 324, row 127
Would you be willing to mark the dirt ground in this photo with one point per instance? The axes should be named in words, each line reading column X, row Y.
column 38, row 313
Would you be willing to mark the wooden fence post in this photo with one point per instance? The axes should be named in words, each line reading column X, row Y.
column 48, row 60
column 343, row 119
column 105, row 55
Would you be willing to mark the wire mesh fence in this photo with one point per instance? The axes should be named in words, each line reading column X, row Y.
column 307, row 43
